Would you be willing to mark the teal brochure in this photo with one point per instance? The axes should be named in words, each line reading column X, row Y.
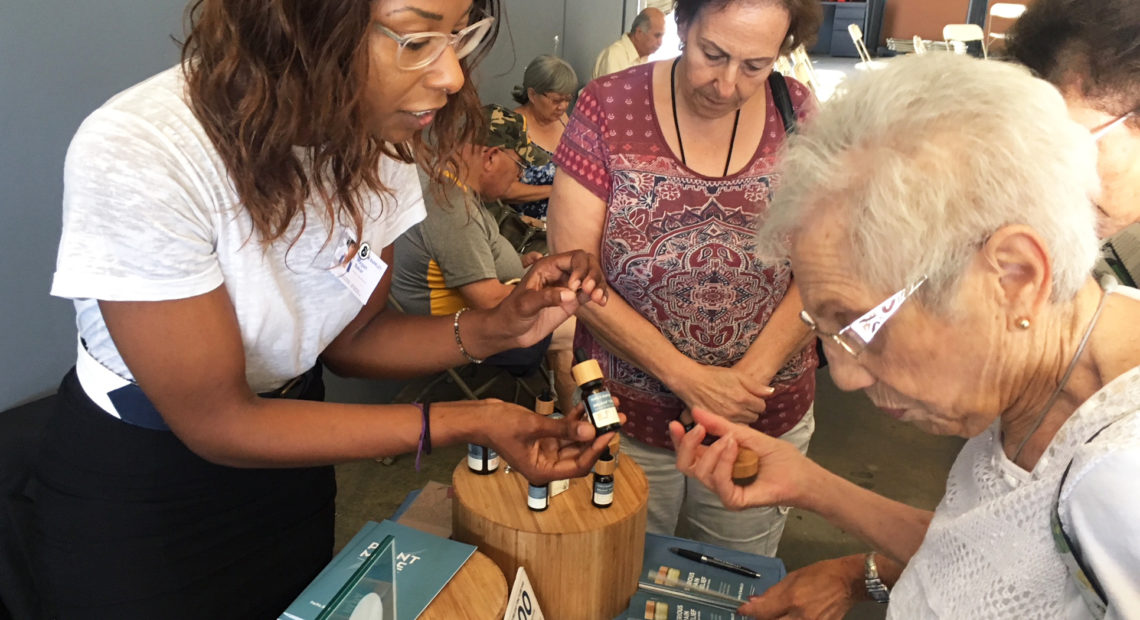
column 423, row 564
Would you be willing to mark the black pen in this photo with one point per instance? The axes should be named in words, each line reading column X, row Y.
column 704, row 559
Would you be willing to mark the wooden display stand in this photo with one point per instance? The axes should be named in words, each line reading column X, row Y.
column 583, row 561
column 478, row 591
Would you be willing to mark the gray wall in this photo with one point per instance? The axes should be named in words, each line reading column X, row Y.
column 583, row 28
column 59, row 59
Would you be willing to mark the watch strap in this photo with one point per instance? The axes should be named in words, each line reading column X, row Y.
column 876, row 589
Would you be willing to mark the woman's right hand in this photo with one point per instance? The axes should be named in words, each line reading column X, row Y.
column 735, row 396
column 825, row 590
column 550, row 292
column 543, row 449
column 784, row 474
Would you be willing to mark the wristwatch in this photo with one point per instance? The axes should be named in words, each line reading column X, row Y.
column 876, row 589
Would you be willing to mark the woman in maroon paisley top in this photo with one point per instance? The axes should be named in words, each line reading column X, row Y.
column 663, row 171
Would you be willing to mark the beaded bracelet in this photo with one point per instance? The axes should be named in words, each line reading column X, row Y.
column 425, row 431
column 459, row 341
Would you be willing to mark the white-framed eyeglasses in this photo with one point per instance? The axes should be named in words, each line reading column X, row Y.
column 855, row 337
column 419, row 49
column 1101, row 131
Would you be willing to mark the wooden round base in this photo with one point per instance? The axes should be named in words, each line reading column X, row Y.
column 583, row 561
column 478, row 591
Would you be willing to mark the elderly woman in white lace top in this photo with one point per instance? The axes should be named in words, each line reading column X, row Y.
column 942, row 235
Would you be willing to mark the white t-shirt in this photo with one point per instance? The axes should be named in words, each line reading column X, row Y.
column 149, row 213
column 989, row 552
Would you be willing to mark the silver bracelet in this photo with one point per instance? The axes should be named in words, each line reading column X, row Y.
column 458, row 340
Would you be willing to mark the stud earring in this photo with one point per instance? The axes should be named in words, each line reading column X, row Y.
column 1022, row 323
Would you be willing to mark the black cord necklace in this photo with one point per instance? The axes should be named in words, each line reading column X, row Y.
column 677, row 122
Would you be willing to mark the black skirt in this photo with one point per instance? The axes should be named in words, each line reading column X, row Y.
column 129, row 523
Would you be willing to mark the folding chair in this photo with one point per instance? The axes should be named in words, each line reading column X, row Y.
column 860, row 46
column 919, row 45
column 455, row 376
column 1001, row 10
column 965, row 34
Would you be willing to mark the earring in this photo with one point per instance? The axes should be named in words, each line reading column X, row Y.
column 1022, row 323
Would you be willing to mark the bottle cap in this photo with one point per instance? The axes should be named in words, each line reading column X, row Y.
column 605, row 465
column 587, row 371
column 544, row 404
column 747, row 464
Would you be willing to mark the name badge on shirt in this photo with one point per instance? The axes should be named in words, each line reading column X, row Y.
column 361, row 274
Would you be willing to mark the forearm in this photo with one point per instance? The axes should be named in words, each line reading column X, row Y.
column 781, row 338
column 893, row 528
column 295, row 433
column 630, row 336
column 524, row 192
column 380, row 348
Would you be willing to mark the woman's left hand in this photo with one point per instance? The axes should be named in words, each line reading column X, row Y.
column 544, row 449
column 550, row 292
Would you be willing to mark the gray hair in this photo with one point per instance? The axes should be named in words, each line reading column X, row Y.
column 929, row 156
column 546, row 74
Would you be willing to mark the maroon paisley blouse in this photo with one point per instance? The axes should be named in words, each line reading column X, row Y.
column 678, row 247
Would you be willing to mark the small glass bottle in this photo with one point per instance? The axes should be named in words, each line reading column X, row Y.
column 481, row 460
column 604, row 480
column 544, row 406
column 537, row 497
column 599, row 404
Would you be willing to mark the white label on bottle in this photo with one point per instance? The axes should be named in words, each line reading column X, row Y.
column 604, row 493
column 537, row 497
column 602, row 409
column 476, row 455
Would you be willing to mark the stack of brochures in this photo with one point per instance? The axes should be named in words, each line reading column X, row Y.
column 387, row 571
column 672, row 587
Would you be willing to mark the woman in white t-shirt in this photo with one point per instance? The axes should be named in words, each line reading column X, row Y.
column 227, row 229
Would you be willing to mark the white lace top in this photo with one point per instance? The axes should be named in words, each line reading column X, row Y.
column 989, row 552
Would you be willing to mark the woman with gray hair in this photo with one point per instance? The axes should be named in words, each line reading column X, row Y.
column 548, row 87
column 942, row 245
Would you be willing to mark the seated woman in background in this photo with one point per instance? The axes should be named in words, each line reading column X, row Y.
column 1088, row 50
column 943, row 246
column 548, row 87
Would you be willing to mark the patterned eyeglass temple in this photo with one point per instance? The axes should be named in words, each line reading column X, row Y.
column 863, row 329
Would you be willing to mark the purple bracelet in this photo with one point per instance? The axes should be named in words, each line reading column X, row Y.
column 425, row 431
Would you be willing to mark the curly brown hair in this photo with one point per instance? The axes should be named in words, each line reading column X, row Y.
column 276, row 85
column 1088, row 45
column 807, row 15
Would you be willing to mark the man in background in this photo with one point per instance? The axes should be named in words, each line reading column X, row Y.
column 456, row 257
column 631, row 49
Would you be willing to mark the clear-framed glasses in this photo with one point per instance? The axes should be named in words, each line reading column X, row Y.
column 420, row 49
column 855, row 337
column 1101, row 131
column 557, row 99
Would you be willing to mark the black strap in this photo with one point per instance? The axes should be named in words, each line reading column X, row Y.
column 783, row 100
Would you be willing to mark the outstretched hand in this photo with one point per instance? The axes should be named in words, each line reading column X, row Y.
column 822, row 591
column 543, row 449
column 550, row 292
column 783, row 474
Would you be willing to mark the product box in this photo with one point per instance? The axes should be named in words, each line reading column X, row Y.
column 422, row 566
